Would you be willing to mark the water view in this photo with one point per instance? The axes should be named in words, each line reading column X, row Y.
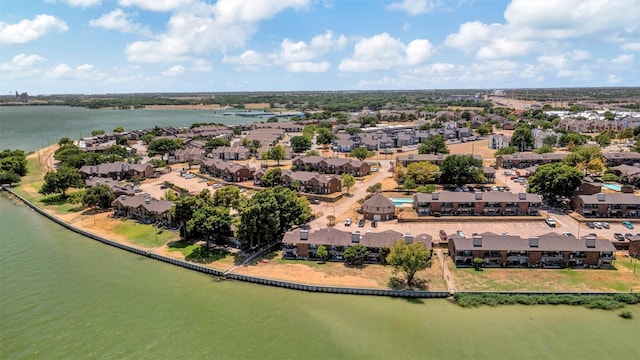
column 65, row 296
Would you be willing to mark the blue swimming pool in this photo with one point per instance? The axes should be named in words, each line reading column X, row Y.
column 613, row 187
column 402, row 201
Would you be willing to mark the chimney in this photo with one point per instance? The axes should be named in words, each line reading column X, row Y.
column 590, row 241
column 478, row 195
column 533, row 241
column 545, row 155
column 522, row 196
column 477, row 240
column 410, row 157
column 304, row 234
column 355, row 237
column 601, row 196
column 408, row 238
column 440, row 156
column 147, row 201
column 435, row 196
column 123, row 197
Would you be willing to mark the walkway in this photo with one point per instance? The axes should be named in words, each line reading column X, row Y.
column 446, row 274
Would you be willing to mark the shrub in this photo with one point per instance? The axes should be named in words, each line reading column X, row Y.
column 626, row 314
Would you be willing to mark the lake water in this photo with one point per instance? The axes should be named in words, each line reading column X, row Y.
column 65, row 296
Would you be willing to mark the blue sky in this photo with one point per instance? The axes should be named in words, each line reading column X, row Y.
column 125, row 46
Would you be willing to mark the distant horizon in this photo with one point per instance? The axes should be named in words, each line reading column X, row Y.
column 142, row 46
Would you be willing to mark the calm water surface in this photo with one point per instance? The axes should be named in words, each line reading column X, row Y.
column 65, row 296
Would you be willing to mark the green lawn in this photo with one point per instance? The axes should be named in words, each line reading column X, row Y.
column 143, row 235
column 186, row 248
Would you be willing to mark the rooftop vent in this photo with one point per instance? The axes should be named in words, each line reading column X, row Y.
column 522, row 196
column 477, row 240
column 435, row 196
column 478, row 195
column 408, row 238
column 533, row 241
column 601, row 197
column 304, row 234
column 355, row 237
column 147, row 201
column 590, row 241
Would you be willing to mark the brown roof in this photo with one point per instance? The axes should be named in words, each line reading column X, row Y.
column 604, row 198
column 547, row 242
column 149, row 203
column 378, row 200
column 489, row 196
column 332, row 236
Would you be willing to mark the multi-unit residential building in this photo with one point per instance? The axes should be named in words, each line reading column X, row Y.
column 117, row 171
column 147, row 210
column 527, row 159
column 233, row 152
column 546, row 251
column 480, row 203
column 621, row 158
column 311, row 182
column 332, row 165
column 302, row 244
column 607, row 205
column 114, row 185
column 379, row 207
column 498, row 141
column 226, row 170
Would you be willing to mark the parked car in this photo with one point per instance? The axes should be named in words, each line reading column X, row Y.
column 597, row 225
column 618, row 236
column 591, row 225
column 568, row 234
column 314, row 201
column 627, row 224
column 605, row 225
column 628, row 235
column 460, row 233
column 550, row 221
column 347, row 222
column 361, row 223
column 374, row 223
column 443, row 235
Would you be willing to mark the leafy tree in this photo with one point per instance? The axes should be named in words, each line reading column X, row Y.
column 272, row 177
column 269, row 214
column 322, row 252
column 355, row 255
column 60, row 181
column 572, row 137
column 65, row 141
column 117, row 150
column 461, row 169
column 409, row 184
column 399, row 173
column 422, row 172
column 210, row 222
column 609, row 177
column 9, row 177
column 272, row 119
column 550, row 140
column 332, row 219
column 182, row 210
column 409, row 258
column 522, row 138
column 361, row 153
column 324, row 137
column 353, row 130
column 427, row 189
column 300, row 143
column 509, row 150
column 13, row 162
column 164, row 146
column 582, row 156
column 434, row 145
column 228, row 196
column 603, row 139
column 118, row 129
column 276, row 153
column 312, row 153
column 157, row 163
column 555, row 181
column 97, row 132
column 544, row 149
column 348, row 181
column 484, row 129
column 100, row 195
column 626, row 133
column 477, row 263
column 374, row 188
column 216, row 142
column 170, row 195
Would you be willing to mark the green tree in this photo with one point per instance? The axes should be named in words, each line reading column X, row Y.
column 60, row 181
column 65, row 141
column 572, row 137
column 300, row 144
column 210, row 222
column 312, row 153
column 272, row 177
column 409, row 258
column 182, row 211
column 228, row 196
column 603, row 139
column 477, row 263
column 428, row 189
column 522, row 138
column 361, row 153
column 550, row 140
column 272, row 119
column 97, row 132
column 322, row 252
column 164, row 146
column 269, row 214
column 544, row 149
column 422, row 172
column 626, row 133
column 509, row 150
column 355, row 255
column 374, row 188
column 461, row 169
column 348, row 181
column 484, row 129
column 13, row 161
column 100, row 195
column 584, row 156
column 434, row 145
column 609, row 178
column 214, row 143
column 118, row 129
column 409, row 184
column 324, row 137
column 9, row 177
column 276, row 153
column 555, row 181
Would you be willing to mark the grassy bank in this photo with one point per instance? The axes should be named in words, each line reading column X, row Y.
column 606, row 302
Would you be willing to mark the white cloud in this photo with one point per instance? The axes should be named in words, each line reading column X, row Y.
column 156, row 5
column 634, row 46
column 81, row 72
column 200, row 28
column 538, row 25
column 415, row 7
column 623, row 59
column 308, row 66
column 60, row 71
column 201, row 65
column 613, row 79
column 21, row 62
column 84, row 3
column 120, row 21
column 175, row 70
column 382, row 52
column 249, row 60
column 29, row 30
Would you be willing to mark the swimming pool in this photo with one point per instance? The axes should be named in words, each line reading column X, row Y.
column 402, row 201
column 613, row 187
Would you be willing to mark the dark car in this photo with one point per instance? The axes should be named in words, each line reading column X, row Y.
column 443, row 235
column 361, row 223
column 628, row 235
column 374, row 223
column 618, row 236
column 591, row 225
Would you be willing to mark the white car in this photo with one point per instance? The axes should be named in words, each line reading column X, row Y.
column 550, row 221
column 460, row 233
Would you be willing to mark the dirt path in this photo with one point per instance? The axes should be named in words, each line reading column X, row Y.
column 446, row 274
